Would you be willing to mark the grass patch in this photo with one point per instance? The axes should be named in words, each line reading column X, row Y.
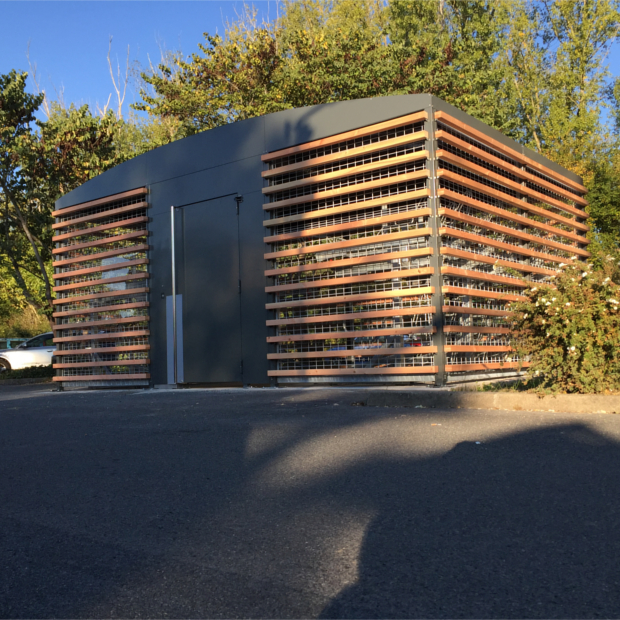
column 34, row 372
column 520, row 385
column 504, row 385
column 533, row 386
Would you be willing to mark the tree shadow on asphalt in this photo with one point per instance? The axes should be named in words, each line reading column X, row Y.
column 140, row 519
column 521, row 527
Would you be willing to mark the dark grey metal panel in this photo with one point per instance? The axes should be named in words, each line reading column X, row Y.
column 291, row 127
column 253, row 297
column 209, row 149
column 239, row 177
column 170, row 340
column 161, row 287
column 129, row 175
column 243, row 176
column 211, row 299
column 244, row 139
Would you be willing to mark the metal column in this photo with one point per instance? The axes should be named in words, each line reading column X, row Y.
column 436, row 278
column 174, row 292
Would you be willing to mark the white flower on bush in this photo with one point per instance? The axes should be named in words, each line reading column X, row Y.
column 584, row 274
column 572, row 348
column 543, row 321
column 525, row 316
column 534, row 289
column 606, row 280
column 612, row 301
column 562, row 265
column 553, row 299
column 568, row 303
column 573, row 257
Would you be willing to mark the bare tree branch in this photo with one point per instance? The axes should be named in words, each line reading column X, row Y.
column 37, row 85
column 120, row 87
column 103, row 111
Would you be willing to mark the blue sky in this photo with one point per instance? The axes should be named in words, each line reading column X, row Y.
column 69, row 40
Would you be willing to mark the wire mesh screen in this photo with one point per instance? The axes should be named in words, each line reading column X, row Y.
column 349, row 283
column 102, row 309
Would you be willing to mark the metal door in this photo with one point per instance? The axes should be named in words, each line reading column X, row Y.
column 211, row 287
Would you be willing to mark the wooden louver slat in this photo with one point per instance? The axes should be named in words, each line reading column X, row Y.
column 482, row 155
column 407, row 252
column 123, row 337
column 349, row 135
column 501, row 148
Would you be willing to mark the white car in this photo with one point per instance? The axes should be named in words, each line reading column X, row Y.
column 37, row 351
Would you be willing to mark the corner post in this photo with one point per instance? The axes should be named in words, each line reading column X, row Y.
column 436, row 277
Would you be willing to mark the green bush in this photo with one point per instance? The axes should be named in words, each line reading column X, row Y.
column 571, row 330
column 34, row 372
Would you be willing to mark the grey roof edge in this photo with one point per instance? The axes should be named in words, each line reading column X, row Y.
column 440, row 104
column 135, row 172
column 355, row 113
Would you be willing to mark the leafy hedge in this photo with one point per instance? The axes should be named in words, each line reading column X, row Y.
column 571, row 330
column 34, row 372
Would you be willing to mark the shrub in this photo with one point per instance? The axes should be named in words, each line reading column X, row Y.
column 34, row 372
column 571, row 330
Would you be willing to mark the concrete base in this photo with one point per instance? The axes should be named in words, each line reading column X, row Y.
column 356, row 379
column 503, row 401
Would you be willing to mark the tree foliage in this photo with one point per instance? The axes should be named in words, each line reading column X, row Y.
column 39, row 162
column 321, row 52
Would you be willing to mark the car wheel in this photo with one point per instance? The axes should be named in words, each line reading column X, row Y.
column 4, row 366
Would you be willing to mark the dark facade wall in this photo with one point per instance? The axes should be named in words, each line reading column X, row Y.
column 226, row 162
column 253, row 137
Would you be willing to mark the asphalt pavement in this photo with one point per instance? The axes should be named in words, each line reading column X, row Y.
column 302, row 504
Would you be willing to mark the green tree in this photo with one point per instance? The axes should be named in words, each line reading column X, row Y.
column 451, row 49
column 39, row 162
column 557, row 81
column 231, row 80
column 323, row 51
column 17, row 114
